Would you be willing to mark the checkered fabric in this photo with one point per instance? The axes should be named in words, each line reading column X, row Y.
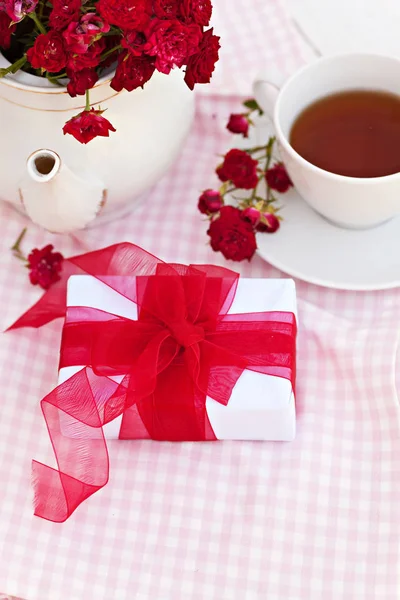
column 315, row 519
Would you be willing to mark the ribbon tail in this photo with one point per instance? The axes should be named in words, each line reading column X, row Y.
column 74, row 415
column 119, row 259
column 56, row 494
column 52, row 305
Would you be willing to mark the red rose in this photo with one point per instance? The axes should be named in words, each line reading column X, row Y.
column 238, row 124
column 127, row 14
column 240, row 168
column 166, row 9
column 232, row 235
column 200, row 66
column 88, row 125
column 48, row 52
column 80, row 81
column 269, row 223
column 135, row 42
column 132, row 72
column 79, row 35
column 6, row 29
column 278, row 179
column 44, row 266
column 197, row 11
column 63, row 13
column 210, row 202
column 172, row 43
column 17, row 9
column 91, row 58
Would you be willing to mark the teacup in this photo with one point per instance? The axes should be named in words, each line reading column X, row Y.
column 351, row 202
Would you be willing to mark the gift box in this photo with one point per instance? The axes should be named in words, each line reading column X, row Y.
column 159, row 351
column 261, row 406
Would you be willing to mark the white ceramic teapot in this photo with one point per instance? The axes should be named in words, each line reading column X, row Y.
column 63, row 185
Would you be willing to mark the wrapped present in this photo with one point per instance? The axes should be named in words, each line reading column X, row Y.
column 164, row 352
column 260, row 407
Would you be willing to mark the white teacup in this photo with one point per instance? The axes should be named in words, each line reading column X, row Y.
column 351, row 202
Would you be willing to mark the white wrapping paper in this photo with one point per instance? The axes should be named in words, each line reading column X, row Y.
column 261, row 407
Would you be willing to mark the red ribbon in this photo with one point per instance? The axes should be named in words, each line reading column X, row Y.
column 183, row 347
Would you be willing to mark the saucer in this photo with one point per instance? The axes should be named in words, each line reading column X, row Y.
column 309, row 247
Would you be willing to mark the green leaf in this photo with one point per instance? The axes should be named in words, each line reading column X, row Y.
column 252, row 105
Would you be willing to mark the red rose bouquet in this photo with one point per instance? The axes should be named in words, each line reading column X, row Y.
column 253, row 174
column 74, row 42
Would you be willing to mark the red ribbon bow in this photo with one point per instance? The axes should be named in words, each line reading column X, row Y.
column 183, row 347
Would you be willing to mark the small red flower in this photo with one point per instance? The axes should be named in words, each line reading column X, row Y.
column 48, row 52
column 238, row 124
column 166, row 9
column 252, row 215
column 197, row 11
column 132, row 72
column 88, row 125
column 232, row 235
column 135, row 42
column 80, row 81
column 6, row 29
column 127, row 14
column 210, row 202
column 278, row 179
column 269, row 223
column 79, row 35
column 201, row 65
column 240, row 168
column 172, row 43
column 89, row 59
column 17, row 9
column 63, row 13
column 45, row 266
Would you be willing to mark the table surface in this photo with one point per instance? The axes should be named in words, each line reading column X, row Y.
column 316, row 518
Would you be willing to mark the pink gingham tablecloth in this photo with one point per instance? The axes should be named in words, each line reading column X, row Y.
column 315, row 519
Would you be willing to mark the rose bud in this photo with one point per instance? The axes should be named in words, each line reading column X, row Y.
column 278, row 179
column 252, row 215
column 269, row 224
column 238, row 124
column 210, row 202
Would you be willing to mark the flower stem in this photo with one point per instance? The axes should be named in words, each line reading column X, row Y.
column 228, row 191
column 19, row 239
column 41, row 8
column 270, row 147
column 254, row 194
column 16, row 66
column 16, row 247
column 54, row 80
column 37, row 22
column 111, row 51
column 87, row 107
column 256, row 149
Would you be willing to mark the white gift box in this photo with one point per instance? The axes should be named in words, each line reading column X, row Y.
column 261, row 407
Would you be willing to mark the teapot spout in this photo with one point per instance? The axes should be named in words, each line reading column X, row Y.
column 43, row 165
column 57, row 198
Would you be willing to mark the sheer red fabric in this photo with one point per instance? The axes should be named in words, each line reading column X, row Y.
column 182, row 348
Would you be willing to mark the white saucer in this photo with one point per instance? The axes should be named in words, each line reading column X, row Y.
column 310, row 248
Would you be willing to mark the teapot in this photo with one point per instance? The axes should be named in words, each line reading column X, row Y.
column 63, row 185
